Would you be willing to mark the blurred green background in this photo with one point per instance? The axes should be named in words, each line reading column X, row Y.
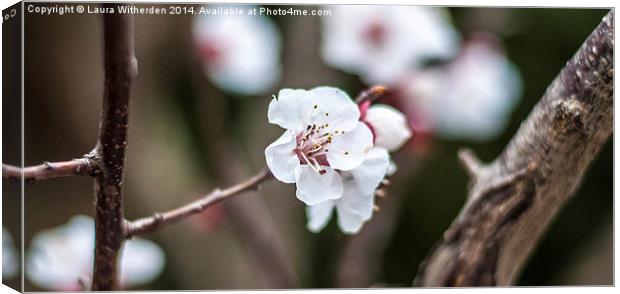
column 178, row 118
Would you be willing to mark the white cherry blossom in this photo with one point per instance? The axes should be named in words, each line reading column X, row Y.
column 471, row 97
column 10, row 265
column 240, row 53
column 381, row 43
column 323, row 137
column 58, row 257
column 356, row 204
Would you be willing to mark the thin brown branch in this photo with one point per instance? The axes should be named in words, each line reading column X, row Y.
column 157, row 220
column 120, row 67
column 50, row 170
column 513, row 201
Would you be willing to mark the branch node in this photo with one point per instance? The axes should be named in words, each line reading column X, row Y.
column 380, row 193
column 569, row 115
column 470, row 162
column 159, row 218
column 48, row 165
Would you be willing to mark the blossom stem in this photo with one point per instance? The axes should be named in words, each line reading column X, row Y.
column 157, row 220
column 371, row 94
column 49, row 170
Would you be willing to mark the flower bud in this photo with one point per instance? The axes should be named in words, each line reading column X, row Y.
column 389, row 125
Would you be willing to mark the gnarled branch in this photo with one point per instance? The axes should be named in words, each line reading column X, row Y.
column 121, row 68
column 513, row 199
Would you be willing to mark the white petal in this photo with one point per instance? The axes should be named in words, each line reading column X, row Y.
column 292, row 109
column 281, row 159
column 57, row 257
column 369, row 174
column 353, row 209
column 141, row 262
column 313, row 188
column 390, row 126
column 319, row 215
column 336, row 108
column 350, row 149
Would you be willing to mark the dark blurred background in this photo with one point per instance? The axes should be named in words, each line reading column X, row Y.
column 172, row 138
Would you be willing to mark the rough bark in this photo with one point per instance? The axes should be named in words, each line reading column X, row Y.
column 513, row 199
column 120, row 67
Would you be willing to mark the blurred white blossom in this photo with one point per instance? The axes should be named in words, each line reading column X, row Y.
column 382, row 43
column 240, row 53
column 470, row 97
column 58, row 257
column 10, row 264
column 323, row 136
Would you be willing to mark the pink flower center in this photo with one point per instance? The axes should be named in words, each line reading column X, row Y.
column 375, row 34
column 212, row 52
column 313, row 146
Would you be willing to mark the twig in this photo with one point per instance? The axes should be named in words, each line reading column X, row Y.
column 514, row 200
column 470, row 162
column 49, row 170
column 149, row 224
column 120, row 67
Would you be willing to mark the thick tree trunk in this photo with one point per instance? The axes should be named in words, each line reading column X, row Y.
column 513, row 199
